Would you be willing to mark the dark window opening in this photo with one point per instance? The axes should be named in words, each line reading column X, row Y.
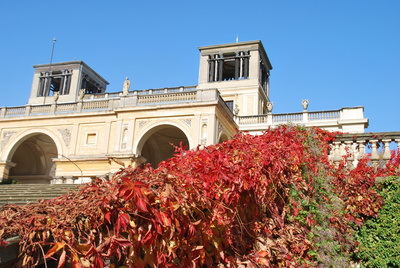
column 264, row 78
column 54, row 81
column 90, row 86
column 230, row 105
column 228, row 66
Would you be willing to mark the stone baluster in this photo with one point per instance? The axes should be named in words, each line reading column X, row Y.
column 349, row 153
column 387, row 155
column 69, row 180
column 337, row 156
column 361, row 149
column 374, row 152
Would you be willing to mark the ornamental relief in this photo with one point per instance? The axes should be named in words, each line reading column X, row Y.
column 187, row 121
column 142, row 123
column 66, row 135
column 6, row 137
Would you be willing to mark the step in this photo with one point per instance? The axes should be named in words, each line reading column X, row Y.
column 21, row 194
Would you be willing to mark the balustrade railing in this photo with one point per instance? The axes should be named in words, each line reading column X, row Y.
column 255, row 119
column 287, row 118
column 95, row 105
column 66, row 107
column 107, row 101
column 290, row 117
column 169, row 97
column 43, row 109
column 379, row 146
column 324, row 115
column 14, row 111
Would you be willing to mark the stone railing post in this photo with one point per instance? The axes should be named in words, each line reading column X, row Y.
column 28, row 109
column 337, row 156
column 361, row 149
column 79, row 106
column 3, row 112
column 269, row 119
column 53, row 108
column 111, row 105
column 374, row 152
column 387, row 155
column 305, row 116
column 349, row 153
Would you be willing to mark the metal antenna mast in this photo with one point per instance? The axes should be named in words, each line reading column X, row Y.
column 52, row 52
column 51, row 62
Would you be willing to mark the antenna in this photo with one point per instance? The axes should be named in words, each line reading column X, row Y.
column 52, row 51
column 51, row 61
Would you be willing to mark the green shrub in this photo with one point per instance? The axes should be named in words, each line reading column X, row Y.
column 379, row 238
column 9, row 181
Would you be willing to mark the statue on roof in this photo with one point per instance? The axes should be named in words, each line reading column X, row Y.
column 127, row 85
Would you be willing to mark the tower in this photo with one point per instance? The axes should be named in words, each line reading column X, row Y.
column 63, row 82
column 240, row 71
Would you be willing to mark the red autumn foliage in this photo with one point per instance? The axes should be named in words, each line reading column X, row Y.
column 248, row 200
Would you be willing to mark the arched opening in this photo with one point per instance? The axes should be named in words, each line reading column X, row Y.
column 223, row 138
column 159, row 143
column 33, row 160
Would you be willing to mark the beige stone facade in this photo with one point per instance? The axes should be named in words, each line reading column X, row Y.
column 72, row 130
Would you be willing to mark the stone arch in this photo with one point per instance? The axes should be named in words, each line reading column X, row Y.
column 155, row 145
column 31, row 156
column 223, row 137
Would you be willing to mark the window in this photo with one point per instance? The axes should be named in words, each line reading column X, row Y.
column 264, row 78
column 91, row 138
column 230, row 105
column 90, row 86
column 54, row 81
column 228, row 66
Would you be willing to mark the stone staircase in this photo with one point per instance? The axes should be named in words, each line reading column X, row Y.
column 22, row 194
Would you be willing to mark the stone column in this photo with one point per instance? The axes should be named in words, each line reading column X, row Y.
column 5, row 169
column 387, row 154
column 3, row 112
column 28, row 109
column 349, row 153
column 337, row 156
column 361, row 149
column 374, row 152
column 397, row 141
column 79, row 106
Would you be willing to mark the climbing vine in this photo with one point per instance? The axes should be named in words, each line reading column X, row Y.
column 273, row 200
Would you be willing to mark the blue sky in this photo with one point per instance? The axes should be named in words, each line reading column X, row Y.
column 341, row 53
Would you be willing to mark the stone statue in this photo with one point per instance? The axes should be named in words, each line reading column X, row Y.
column 81, row 93
column 127, row 85
column 236, row 110
column 305, row 104
column 270, row 106
column 56, row 95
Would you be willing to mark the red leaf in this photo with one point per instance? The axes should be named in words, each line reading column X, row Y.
column 141, row 204
column 57, row 246
column 165, row 219
column 62, row 260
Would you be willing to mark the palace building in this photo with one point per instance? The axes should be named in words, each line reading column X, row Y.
column 72, row 130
